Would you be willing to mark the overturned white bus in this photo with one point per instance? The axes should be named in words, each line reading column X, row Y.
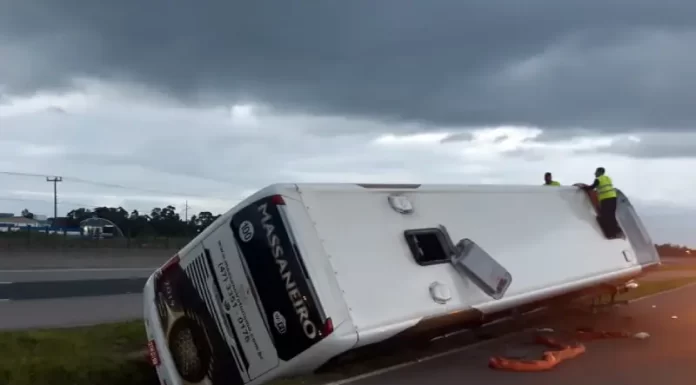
column 299, row 273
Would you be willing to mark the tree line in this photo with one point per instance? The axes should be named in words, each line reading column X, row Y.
column 672, row 250
column 160, row 221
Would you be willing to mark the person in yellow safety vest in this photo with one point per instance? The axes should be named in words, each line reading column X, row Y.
column 548, row 180
column 606, row 195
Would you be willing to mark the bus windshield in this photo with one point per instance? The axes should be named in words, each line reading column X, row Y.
column 282, row 287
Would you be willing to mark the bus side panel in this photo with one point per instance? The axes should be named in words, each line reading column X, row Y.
column 546, row 238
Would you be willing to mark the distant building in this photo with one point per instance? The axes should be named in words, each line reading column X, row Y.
column 100, row 228
column 20, row 221
column 15, row 223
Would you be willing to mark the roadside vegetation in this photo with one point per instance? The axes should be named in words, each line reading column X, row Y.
column 104, row 354
column 114, row 354
column 653, row 287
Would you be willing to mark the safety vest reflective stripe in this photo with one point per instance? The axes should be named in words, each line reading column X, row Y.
column 605, row 188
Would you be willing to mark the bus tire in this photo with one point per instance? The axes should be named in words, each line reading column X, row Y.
column 190, row 349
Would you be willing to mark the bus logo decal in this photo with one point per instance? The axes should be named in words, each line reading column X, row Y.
column 246, row 231
column 279, row 322
column 294, row 294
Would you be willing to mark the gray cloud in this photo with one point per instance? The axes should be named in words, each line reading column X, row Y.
column 622, row 65
column 667, row 224
column 458, row 137
column 119, row 147
column 681, row 145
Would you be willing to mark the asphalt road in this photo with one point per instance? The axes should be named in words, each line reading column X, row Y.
column 63, row 283
column 66, row 312
column 667, row 357
column 73, row 274
column 81, row 260
column 16, row 291
column 36, row 298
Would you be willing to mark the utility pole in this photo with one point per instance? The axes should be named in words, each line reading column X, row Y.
column 186, row 222
column 55, row 181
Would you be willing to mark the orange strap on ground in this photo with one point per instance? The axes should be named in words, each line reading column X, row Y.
column 559, row 353
column 549, row 360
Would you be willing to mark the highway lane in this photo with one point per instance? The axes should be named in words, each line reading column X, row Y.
column 73, row 274
column 667, row 357
column 67, row 312
column 63, row 297
column 11, row 260
column 15, row 291
column 63, row 283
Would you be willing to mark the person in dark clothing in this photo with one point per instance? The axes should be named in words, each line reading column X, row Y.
column 606, row 195
column 548, row 180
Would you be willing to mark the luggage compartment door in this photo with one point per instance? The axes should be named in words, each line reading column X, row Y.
column 634, row 230
column 434, row 245
column 472, row 261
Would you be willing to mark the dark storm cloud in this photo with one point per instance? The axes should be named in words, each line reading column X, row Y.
column 590, row 64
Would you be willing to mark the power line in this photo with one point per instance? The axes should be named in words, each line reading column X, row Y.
column 71, row 204
column 103, row 184
column 75, row 204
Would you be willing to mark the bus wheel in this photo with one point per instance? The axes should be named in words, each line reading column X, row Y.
column 190, row 349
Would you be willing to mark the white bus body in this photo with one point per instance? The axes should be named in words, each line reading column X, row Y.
column 299, row 273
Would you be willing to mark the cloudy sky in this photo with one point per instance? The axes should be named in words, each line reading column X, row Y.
column 144, row 103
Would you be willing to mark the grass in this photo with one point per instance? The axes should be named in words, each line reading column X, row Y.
column 654, row 287
column 678, row 267
column 102, row 354
column 109, row 354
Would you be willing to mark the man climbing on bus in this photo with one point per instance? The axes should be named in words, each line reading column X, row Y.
column 548, row 180
column 606, row 195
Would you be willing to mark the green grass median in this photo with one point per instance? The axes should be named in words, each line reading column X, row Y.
column 654, row 287
column 103, row 354
column 112, row 354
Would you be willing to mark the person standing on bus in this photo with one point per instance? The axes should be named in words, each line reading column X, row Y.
column 548, row 180
column 606, row 195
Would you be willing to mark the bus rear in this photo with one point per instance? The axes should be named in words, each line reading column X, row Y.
column 236, row 305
